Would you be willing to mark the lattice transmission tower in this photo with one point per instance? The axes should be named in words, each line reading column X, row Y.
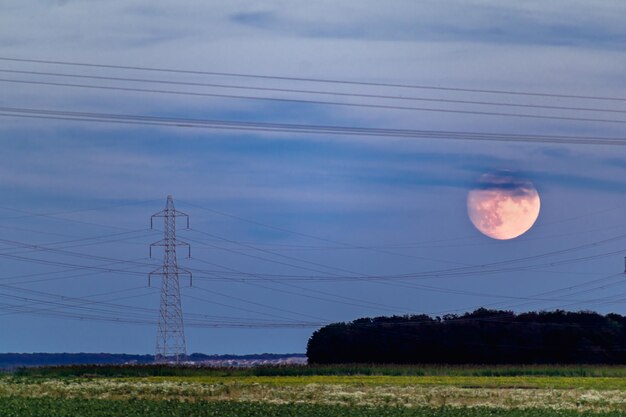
column 170, row 341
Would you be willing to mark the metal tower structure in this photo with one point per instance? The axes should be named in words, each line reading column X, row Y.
column 170, row 341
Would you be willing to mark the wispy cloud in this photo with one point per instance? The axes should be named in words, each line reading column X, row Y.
column 479, row 21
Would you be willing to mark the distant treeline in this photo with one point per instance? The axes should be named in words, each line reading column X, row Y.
column 15, row 360
column 480, row 337
column 12, row 360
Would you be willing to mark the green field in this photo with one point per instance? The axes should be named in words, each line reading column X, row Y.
column 97, row 408
column 339, row 370
column 357, row 390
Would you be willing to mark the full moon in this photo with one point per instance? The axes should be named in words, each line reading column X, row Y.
column 502, row 206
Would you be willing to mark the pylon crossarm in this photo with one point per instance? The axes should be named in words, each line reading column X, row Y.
column 170, row 213
column 181, row 243
column 158, row 271
column 159, row 243
column 173, row 213
column 183, row 271
column 175, row 242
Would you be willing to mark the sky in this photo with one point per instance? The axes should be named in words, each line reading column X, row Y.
column 293, row 230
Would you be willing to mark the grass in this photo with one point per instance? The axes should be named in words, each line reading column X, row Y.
column 526, row 382
column 329, row 370
column 355, row 390
column 322, row 390
column 19, row 407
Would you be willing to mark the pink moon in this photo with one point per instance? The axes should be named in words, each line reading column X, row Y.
column 503, row 207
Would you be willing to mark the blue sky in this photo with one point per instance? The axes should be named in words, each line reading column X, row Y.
column 265, row 206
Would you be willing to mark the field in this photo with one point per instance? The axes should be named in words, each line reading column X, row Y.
column 464, row 391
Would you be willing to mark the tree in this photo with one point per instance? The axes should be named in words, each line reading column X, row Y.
column 483, row 336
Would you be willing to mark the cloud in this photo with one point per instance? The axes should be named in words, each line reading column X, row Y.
column 582, row 182
column 478, row 21
column 616, row 162
column 482, row 44
column 257, row 19
column 371, row 42
column 507, row 182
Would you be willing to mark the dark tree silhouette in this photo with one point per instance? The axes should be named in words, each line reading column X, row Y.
column 480, row 337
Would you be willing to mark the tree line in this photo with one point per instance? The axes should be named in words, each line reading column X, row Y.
column 479, row 337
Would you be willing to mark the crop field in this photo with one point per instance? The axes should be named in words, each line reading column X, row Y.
column 316, row 391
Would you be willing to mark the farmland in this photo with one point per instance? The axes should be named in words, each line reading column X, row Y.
column 316, row 390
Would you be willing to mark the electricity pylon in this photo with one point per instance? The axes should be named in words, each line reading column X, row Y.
column 170, row 341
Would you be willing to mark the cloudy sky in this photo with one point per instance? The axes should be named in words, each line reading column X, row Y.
column 290, row 230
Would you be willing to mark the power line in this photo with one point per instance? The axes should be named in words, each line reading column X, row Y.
column 66, row 264
column 54, row 216
column 539, row 297
column 480, row 267
column 98, row 314
column 63, row 303
column 431, row 288
column 39, row 247
column 334, row 103
column 339, row 298
column 104, row 309
column 436, row 243
column 313, row 80
column 278, row 90
column 300, row 100
column 550, row 293
column 260, row 305
column 433, row 274
column 455, row 291
column 303, row 128
column 282, row 229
